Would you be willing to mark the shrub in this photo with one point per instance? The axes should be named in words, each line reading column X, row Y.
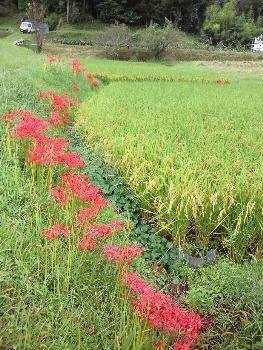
column 53, row 21
column 114, row 39
column 158, row 40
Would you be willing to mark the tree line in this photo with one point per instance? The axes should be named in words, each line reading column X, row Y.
column 223, row 21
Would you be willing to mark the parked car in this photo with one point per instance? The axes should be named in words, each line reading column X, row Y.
column 27, row 27
column 30, row 27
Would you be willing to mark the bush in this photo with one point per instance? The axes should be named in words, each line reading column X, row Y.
column 114, row 39
column 53, row 21
column 157, row 40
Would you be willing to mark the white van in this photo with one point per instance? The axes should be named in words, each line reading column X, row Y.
column 27, row 27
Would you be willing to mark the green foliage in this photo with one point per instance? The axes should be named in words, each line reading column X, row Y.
column 157, row 40
column 226, row 26
column 53, row 21
column 233, row 294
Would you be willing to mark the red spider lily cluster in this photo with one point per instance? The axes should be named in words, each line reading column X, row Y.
column 161, row 313
column 55, row 232
column 220, row 82
column 83, row 201
column 53, row 59
column 94, row 84
column 78, row 68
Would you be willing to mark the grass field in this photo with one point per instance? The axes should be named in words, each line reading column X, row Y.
column 192, row 151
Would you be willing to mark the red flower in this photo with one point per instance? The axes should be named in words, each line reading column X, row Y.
column 90, row 77
column 50, row 58
column 67, row 121
column 55, row 232
column 49, row 151
column 122, row 255
column 95, row 84
column 87, row 243
column 9, row 117
column 161, row 313
column 76, row 87
column 60, row 196
column 84, row 214
column 77, row 67
column 30, row 128
column 72, row 160
column 55, row 119
column 220, row 82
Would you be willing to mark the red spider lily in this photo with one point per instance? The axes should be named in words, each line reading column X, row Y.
column 67, row 121
column 93, row 83
column 77, row 67
column 90, row 77
column 220, row 82
column 51, row 58
column 49, row 152
column 60, row 195
column 85, row 214
column 161, row 313
column 59, row 104
column 98, row 230
column 44, row 154
column 55, row 119
column 80, row 187
column 102, row 230
column 76, row 87
column 72, row 160
column 118, row 225
column 73, row 180
column 124, row 255
column 25, row 115
column 9, row 117
column 56, row 232
column 87, row 244
column 30, row 128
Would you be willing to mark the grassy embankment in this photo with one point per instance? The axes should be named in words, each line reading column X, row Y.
column 51, row 297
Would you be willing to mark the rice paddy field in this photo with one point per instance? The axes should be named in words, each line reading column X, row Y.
column 191, row 149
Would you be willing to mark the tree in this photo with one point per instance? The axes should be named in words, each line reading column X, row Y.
column 36, row 14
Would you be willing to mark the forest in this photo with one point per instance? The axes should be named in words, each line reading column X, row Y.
column 219, row 21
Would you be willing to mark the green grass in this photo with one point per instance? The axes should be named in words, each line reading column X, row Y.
column 191, row 151
column 33, row 314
